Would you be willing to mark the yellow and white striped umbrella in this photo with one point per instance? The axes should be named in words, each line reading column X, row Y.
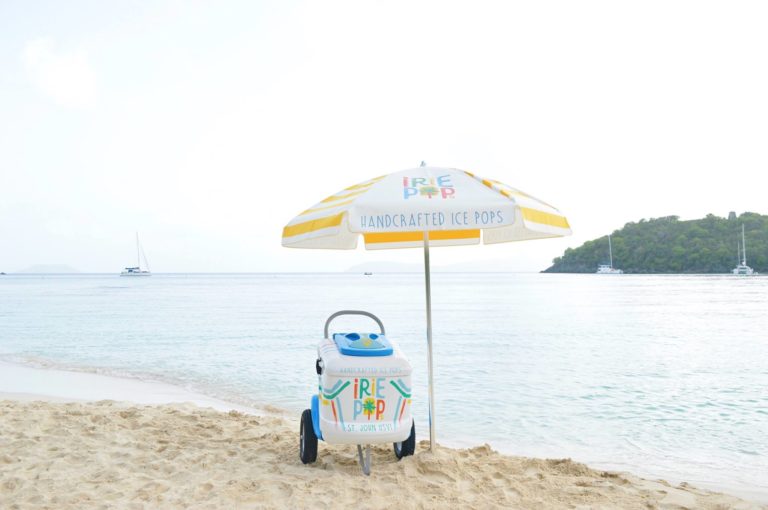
column 421, row 207
column 453, row 206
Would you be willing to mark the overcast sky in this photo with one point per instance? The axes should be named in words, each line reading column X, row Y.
column 206, row 126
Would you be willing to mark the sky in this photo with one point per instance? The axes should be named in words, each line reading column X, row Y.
column 206, row 126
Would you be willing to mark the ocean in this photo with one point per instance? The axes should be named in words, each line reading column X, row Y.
column 663, row 376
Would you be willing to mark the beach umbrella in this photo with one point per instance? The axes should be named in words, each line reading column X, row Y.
column 419, row 208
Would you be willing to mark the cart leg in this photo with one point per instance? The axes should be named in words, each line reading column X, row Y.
column 365, row 464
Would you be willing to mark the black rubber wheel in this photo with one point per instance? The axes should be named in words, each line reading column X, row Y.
column 307, row 438
column 407, row 447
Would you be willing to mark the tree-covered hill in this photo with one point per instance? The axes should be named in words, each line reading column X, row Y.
column 668, row 245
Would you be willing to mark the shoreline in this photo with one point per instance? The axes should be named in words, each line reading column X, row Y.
column 25, row 384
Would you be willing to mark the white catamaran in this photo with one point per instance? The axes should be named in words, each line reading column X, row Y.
column 138, row 271
column 608, row 268
column 742, row 268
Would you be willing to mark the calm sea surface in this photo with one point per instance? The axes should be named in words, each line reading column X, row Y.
column 665, row 376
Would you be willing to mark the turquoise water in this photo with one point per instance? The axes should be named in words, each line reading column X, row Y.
column 665, row 376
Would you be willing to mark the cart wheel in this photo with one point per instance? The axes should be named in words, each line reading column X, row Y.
column 307, row 439
column 407, row 447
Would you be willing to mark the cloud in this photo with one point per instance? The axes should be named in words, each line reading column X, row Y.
column 64, row 76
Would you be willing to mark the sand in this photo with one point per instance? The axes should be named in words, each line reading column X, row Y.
column 114, row 455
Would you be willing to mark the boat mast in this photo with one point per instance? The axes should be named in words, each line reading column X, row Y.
column 743, row 246
column 610, row 250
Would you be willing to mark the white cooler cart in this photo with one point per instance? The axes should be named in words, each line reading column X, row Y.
column 364, row 395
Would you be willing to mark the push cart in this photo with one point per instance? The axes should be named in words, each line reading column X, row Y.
column 363, row 397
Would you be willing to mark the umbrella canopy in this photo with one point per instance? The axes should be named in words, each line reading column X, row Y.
column 420, row 207
column 394, row 210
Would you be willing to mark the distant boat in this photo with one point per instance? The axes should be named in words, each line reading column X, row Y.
column 138, row 271
column 367, row 273
column 608, row 268
column 742, row 268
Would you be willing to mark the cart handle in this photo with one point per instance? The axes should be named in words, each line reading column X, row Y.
column 353, row 312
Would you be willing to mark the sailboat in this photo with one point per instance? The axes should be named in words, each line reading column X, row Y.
column 138, row 271
column 742, row 268
column 608, row 268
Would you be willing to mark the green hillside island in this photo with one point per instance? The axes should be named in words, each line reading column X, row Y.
column 668, row 245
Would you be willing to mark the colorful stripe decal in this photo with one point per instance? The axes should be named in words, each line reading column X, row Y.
column 333, row 408
column 335, row 387
column 394, row 418
column 312, row 225
column 341, row 415
column 404, row 237
column 336, row 393
column 404, row 394
column 402, row 410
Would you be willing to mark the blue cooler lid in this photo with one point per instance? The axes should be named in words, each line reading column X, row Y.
column 362, row 344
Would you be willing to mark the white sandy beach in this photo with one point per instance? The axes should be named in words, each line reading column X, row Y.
column 56, row 453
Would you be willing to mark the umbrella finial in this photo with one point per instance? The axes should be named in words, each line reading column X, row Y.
column 423, row 163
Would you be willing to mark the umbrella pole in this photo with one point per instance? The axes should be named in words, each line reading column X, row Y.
column 429, row 344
